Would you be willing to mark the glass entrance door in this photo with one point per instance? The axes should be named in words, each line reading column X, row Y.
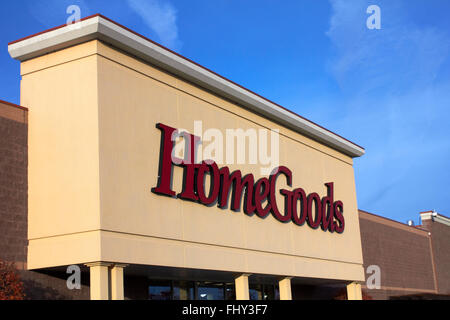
column 206, row 290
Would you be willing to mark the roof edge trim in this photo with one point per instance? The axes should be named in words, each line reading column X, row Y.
column 104, row 29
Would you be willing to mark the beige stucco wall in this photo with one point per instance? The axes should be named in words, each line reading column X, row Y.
column 94, row 152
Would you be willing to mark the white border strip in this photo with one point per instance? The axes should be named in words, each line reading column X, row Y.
column 102, row 29
column 435, row 217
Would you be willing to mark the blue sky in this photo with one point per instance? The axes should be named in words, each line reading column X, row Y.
column 387, row 90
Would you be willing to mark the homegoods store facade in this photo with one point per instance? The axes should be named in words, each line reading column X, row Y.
column 109, row 191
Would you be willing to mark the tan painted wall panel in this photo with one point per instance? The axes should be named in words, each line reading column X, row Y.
column 63, row 148
column 213, row 100
column 107, row 137
column 138, row 103
column 59, row 57
column 64, row 250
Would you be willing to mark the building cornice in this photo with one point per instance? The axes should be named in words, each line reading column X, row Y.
column 434, row 216
column 392, row 223
column 103, row 29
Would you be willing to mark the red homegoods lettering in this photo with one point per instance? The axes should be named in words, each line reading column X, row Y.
column 259, row 196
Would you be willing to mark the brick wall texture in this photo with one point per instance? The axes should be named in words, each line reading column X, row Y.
column 440, row 238
column 13, row 187
column 412, row 260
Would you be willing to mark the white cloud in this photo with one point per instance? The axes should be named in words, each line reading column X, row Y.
column 401, row 56
column 161, row 17
column 393, row 103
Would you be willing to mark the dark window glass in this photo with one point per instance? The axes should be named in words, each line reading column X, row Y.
column 160, row 290
column 183, row 290
column 255, row 291
column 277, row 293
column 230, row 292
column 263, row 292
column 268, row 292
column 210, row 291
column 190, row 290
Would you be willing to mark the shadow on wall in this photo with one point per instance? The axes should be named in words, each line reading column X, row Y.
column 323, row 292
column 48, row 285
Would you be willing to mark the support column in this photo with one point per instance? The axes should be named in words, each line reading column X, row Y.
column 354, row 291
column 241, row 285
column 99, row 280
column 117, row 291
column 285, row 289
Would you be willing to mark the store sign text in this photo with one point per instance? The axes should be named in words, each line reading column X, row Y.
column 259, row 196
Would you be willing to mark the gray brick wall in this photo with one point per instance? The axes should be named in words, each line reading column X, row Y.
column 13, row 189
column 440, row 238
column 403, row 254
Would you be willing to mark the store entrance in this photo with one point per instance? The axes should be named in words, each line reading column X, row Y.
column 190, row 290
column 207, row 290
column 165, row 283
